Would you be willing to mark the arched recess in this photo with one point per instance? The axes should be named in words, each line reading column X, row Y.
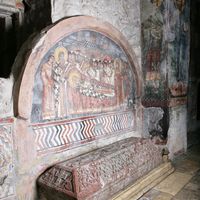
column 81, row 73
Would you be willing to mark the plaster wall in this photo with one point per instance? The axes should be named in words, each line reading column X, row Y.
column 177, row 134
column 6, row 100
column 124, row 15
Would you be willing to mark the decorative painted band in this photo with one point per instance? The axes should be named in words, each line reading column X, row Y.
column 65, row 134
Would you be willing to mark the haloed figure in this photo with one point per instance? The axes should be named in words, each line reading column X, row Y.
column 48, row 96
column 60, row 83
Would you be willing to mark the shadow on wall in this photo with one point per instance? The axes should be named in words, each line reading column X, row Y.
column 8, row 45
column 198, row 102
column 16, row 27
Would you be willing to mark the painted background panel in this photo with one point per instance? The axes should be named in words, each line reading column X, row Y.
column 84, row 73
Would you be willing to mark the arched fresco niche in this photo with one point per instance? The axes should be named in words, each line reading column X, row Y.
column 80, row 83
column 82, row 74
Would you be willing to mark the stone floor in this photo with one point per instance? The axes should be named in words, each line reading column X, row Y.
column 184, row 183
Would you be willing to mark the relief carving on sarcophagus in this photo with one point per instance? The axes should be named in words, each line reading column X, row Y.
column 85, row 72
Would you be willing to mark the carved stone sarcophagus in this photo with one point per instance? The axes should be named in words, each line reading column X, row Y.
column 101, row 173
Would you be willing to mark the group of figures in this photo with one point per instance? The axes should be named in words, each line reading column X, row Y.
column 75, row 83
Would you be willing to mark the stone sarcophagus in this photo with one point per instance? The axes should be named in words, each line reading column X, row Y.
column 101, row 173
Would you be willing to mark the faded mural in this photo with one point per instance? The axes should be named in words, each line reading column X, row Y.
column 177, row 26
column 86, row 72
column 153, row 53
column 165, row 43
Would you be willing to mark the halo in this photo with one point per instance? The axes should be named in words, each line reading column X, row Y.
column 73, row 76
column 59, row 50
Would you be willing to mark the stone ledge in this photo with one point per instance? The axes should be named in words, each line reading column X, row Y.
column 145, row 183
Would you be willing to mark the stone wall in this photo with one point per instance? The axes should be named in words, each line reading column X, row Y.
column 177, row 134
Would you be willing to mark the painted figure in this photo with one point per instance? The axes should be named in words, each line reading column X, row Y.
column 153, row 34
column 153, row 64
column 48, row 111
column 60, row 83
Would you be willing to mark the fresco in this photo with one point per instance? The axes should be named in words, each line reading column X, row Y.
column 165, row 57
column 85, row 72
column 152, row 43
column 178, row 27
column 165, row 33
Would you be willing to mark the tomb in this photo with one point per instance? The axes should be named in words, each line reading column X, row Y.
column 79, row 112
column 101, row 173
